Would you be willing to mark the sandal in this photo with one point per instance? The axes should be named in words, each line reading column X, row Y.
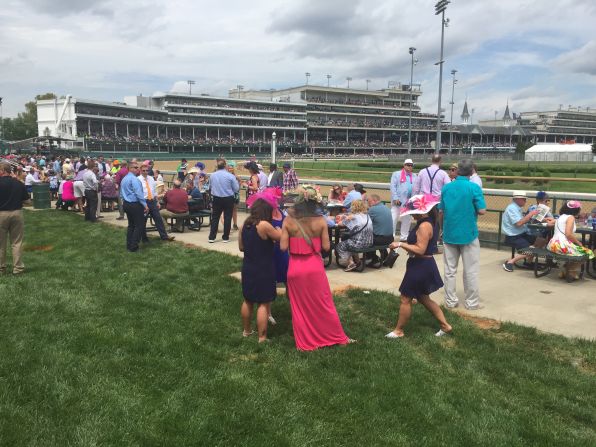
column 247, row 334
column 350, row 267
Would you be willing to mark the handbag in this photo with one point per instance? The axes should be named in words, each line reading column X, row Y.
column 391, row 258
column 352, row 233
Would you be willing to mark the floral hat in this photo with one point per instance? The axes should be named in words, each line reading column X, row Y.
column 574, row 204
column 308, row 193
column 419, row 204
column 270, row 195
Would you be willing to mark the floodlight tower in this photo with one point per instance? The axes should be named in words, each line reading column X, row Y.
column 414, row 61
column 452, row 102
column 190, row 84
column 440, row 8
column 307, row 74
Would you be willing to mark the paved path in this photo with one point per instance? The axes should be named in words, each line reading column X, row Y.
column 548, row 303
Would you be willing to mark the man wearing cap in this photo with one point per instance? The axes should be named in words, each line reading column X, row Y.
column 402, row 185
column 12, row 224
column 462, row 202
column 290, row 181
column 276, row 178
column 223, row 188
column 355, row 192
column 431, row 180
column 515, row 227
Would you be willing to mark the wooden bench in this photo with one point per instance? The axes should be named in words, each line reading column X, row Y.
column 551, row 260
column 373, row 249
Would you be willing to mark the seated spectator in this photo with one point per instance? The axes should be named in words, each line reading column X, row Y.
column 515, row 228
column 564, row 240
column 542, row 198
column 176, row 204
column 382, row 222
column 354, row 193
column 360, row 235
column 337, row 194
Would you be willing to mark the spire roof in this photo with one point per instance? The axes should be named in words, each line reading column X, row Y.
column 507, row 115
column 465, row 115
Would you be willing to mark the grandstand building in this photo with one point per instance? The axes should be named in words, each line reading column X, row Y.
column 173, row 123
column 349, row 121
column 561, row 125
column 309, row 121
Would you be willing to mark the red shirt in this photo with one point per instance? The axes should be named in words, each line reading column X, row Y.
column 176, row 201
column 120, row 175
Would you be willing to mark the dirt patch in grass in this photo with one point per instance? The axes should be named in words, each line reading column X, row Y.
column 38, row 247
column 481, row 322
column 342, row 291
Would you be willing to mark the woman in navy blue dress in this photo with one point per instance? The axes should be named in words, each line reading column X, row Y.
column 422, row 276
column 258, row 269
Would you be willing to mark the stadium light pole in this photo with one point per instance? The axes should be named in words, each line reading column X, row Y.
column 411, row 50
column 307, row 74
column 273, row 146
column 495, row 131
column 328, row 77
column 190, row 84
column 349, row 78
column 451, row 120
column 367, row 82
column 238, row 88
column 440, row 8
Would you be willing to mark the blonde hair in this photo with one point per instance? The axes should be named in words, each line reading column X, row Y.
column 358, row 206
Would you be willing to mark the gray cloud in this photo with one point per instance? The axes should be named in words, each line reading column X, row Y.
column 581, row 60
column 68, row 7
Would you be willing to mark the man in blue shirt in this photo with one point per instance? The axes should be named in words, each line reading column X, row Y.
column 223, row 187
column 401, row 186
column 382, row 225
column 515, row 227
column 461, row 202
column 354, row 193
column 135, row 206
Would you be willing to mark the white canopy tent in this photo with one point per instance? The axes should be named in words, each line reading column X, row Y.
column 579, row 153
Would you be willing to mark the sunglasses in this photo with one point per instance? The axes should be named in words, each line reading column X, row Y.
column 453, row 169
column 408, row 164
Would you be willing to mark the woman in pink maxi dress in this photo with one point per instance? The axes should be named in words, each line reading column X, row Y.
column 314, row 317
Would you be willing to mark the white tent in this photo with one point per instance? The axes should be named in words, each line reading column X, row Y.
column 579, row 153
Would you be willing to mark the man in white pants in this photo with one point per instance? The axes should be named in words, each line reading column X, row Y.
column 402, row 182
column 462, row 201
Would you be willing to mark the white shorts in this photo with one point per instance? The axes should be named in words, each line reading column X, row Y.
column 79, row 189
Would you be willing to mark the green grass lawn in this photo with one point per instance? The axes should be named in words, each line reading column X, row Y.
column 103, row 347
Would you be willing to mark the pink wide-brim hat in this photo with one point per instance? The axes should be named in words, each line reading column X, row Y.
column 419, row 204
column 270, row 195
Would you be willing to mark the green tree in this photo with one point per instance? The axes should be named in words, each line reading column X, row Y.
column 594, row 148
column 25, row 124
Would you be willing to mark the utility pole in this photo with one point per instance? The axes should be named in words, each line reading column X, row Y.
column 440, row 8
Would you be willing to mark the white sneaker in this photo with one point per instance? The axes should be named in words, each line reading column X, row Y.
column 272, row 320
column 226, row 241
column 211, row 241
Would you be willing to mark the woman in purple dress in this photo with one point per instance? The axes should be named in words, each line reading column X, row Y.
column 422, row 276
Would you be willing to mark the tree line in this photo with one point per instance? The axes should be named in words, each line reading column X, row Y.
column 25, row 124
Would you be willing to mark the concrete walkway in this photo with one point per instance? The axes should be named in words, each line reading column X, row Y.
column 547, row 303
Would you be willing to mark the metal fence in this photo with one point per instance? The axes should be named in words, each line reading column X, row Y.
column 489, row 225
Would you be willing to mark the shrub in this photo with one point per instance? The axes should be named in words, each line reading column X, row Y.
column 508, row 172
column 526, row 173
column 545, row 173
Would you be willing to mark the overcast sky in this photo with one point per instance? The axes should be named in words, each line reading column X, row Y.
column 537, row 54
